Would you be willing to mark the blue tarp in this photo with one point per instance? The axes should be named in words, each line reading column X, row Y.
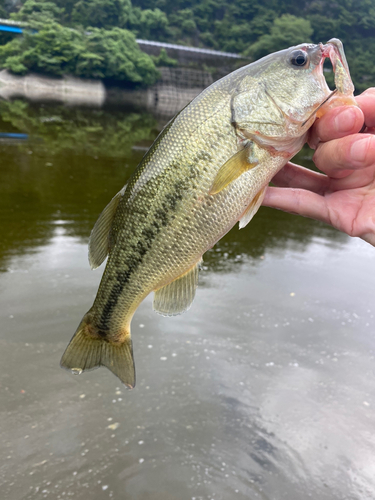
column 12, row 29
column 13, row 135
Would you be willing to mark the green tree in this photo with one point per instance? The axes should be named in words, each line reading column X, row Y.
column 3, row 9
column 362, row 71
column 163, row 59
column 148, row 24
column 250, row 27
column 4, row 14
column 57, row 50
column 102, row 13
column 37, row 10
column 53, row 50
column 183, row 27
column 286, row 31
column 114, row 54
column 239, row 24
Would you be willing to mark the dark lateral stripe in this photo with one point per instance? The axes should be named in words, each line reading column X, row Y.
column 140, row 249
column 122, row 278
column 162, row 216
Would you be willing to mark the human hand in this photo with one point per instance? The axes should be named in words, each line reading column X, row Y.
column 344, row 196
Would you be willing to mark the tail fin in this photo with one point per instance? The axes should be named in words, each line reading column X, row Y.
column 85, row 352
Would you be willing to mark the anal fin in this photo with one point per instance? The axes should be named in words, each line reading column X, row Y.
column 177, row 297
column 99, row 242
column 252, row 208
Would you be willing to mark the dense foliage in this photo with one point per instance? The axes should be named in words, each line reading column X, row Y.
column 251, row 27
column 99, row 51
column 54, row 49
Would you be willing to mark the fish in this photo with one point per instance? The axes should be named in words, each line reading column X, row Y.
column 207, row 170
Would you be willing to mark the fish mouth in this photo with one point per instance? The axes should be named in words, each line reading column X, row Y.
column 343, row 92
column 334, row 50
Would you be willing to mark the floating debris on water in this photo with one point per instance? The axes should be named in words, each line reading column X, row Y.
column 114, row 426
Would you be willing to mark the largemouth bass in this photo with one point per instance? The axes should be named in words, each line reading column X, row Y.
column 208, row 169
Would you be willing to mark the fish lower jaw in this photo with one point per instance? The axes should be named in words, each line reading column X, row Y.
column 282, row 146
column 335, row 102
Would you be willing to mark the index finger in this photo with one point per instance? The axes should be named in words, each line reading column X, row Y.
column 340, row 157
column 366, row 101
column 336, row 123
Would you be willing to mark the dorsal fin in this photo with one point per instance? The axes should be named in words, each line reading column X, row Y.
column 176, row 297
column 99, row 242
column 231, row 170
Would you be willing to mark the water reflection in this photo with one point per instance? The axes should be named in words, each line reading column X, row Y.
column 76, row 159
column 69, row 90
column 56, row 129
column 175, row 88
column 72, row 164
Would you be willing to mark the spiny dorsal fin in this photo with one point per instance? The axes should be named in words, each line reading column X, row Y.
column 252, row 208
column 99, row 244
column 178, row 296
column 231, row 170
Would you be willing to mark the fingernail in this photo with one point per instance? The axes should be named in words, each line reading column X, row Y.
column 345, row 120
column 359, row 149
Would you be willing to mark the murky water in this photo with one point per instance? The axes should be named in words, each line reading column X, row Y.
column 265, row 389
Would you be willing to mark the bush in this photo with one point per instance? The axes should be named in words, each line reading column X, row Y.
column 286, row 31
column 99, row 53
column 53, row 50
column 114, row 54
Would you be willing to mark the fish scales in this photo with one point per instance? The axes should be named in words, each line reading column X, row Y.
column 165, row 250
column 178, row 203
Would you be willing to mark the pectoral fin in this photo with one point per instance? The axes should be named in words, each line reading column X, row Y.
column 99, row 242
column 252, row 208
column 231, row 170
column 176, row 297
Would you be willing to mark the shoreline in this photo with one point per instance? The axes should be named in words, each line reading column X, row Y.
column 176, row 88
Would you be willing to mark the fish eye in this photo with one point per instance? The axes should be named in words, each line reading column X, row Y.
column 299, row 58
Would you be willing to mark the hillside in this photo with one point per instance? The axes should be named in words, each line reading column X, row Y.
column 96, row 38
